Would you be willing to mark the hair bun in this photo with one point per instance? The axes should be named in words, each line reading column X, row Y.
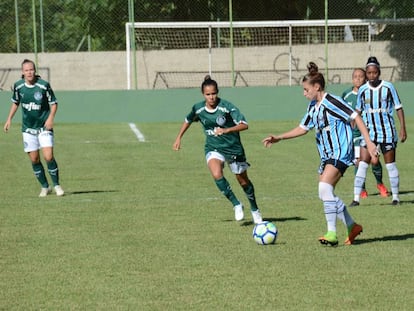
column 373, row 61
column 207, row 77
column 312, row 67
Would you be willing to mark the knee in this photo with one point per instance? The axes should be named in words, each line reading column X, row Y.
column 326, row 191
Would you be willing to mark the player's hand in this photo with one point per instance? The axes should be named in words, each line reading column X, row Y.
column 374, row 152
column 177, row 145
column 6, row 127
column 403, row 135
column 218, row 131
column 269, row 140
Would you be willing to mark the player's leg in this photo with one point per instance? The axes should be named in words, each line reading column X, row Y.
column 361, row 175
column 328, row 178
column 377, row 171
column 248, row 189
column 393, row 174
column 31, row 147
column 46, row 141
column 215, row 163
column 357, row 155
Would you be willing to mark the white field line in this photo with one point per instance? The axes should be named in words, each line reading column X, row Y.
column 137, row 132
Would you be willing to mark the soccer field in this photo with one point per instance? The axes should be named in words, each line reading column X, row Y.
column 142, row 227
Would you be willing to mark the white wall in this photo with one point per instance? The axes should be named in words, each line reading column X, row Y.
column 107, row 70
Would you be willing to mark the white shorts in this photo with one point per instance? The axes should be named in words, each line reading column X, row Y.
column 235, row 167
column 33, row 142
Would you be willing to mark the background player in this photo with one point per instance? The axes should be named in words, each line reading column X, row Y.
column 350, row 96
column 39, row 107
column 377, row 100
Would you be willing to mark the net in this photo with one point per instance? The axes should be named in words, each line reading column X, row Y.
column 265, row 53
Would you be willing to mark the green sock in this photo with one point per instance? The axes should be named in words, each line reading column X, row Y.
column 225, row 189
column 249, row 191
column 39, row 172
column 53, row 171
column 377, row 171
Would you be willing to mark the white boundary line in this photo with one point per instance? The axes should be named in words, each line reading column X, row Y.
column 137, row 132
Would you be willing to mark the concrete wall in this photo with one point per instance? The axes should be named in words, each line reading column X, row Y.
column 107, row 70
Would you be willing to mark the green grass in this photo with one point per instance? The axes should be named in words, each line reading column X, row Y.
column 144, row 228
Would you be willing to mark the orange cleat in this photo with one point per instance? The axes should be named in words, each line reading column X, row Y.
column 382, row 190
column 353, row 232
column 364, row 194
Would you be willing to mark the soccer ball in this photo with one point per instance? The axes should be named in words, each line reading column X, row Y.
column 265, row 233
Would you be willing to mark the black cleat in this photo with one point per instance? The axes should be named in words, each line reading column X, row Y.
column 354, row 203
column 395, row 202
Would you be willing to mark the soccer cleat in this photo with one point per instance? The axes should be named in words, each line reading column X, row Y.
column 353, row 232
column 44, row 192
column 257, row 216
column 354, row 203
column 382, row 190
column 329, row 239
column 59, row 191
column 395, row 202
column 364, row 194
column 238, row 212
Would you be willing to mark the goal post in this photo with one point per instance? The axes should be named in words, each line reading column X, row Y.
column 168, row 49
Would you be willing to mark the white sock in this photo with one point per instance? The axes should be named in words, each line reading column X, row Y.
column 394, row 179
column 360, row 177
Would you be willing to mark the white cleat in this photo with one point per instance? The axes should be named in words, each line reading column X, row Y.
column 257, row 216
column 44, row 192
column 59, row 191
column 238, row 212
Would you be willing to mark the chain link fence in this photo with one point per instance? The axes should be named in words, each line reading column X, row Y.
column 98, row 25
column 55, row 26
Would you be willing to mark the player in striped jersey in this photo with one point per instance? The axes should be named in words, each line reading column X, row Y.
column 222, row 123
column 350, row 96
column 377, row 100
column 330, row 116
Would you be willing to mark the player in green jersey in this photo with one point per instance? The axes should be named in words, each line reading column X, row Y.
column 350, row 96
column 39, row 107
column 222, row 123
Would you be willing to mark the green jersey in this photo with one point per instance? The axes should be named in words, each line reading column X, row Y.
column 35, row 101
column 225, row 115
column 351, row 98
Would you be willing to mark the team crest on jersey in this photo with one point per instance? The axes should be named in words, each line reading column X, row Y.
column 38, row 96
column 221, row 120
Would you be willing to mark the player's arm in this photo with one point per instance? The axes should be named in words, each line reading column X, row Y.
column 237, row 128
column 50, row 119
column 272, row 139
column 183, row 129
column 401, row 117
column 12, row 112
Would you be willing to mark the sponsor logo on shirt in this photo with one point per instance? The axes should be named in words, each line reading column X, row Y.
column 31, row 106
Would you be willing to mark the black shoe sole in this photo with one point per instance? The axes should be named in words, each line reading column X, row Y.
column 326, row 242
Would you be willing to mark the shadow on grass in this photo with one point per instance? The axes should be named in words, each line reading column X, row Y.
column 402, row 202
column 89, row 191
column 274, row 219
column 386, row 238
